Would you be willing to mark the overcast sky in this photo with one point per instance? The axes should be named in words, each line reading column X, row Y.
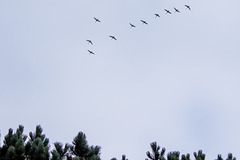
column 174, row 81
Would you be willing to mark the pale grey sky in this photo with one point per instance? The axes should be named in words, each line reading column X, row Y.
column 174, row 81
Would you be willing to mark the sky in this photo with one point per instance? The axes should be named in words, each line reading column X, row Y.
column 174, row 81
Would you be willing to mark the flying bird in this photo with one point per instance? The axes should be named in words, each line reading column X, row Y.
column 90, row 52
column 97, row 20
column 157, row 15
column 113, row 37
column 132, row 26
column 187, row 7
column 89, row 41
column 176, row 10
column 144, row 22
column 167, row 11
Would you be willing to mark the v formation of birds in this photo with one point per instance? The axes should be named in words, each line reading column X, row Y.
column 133, row 26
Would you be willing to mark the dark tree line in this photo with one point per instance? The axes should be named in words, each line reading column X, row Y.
column 17, row 146
column 159, row 154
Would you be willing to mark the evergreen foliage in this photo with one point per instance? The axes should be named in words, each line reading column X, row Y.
column 82, row 151
column 17, row 147
column 60, row 152
column 230, row 157
column 123, row 158
column 186, row 157
column 199, row 155
column 13, row 145
column 156, row 154
column 173, row 156
column 37, row 148
column 219, row 157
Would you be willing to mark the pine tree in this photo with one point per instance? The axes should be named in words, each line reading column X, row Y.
column 60, row 151
column 186, row 157
column 219, row 157
column 80, row 149
column 199, row 155
column 123, row 158
column 173, row 156
column 37, row 148
column 230, row 157
column 13, row 145
column 156, row 154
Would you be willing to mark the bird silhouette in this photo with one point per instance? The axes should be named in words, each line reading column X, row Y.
column 176, row 10
column 90, row 52
column 187, row 7
column 132, row 26
column 113, row 37
column 157, row 15
column 96, row 20
column 89, row 41
column 144, row 22
column 167, row 11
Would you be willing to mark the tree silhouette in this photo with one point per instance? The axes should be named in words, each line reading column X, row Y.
column 230, row 157
column 82, row 151
column 199, row 155
column 37, row 147
column 13, row 145
column 186, row 157
column 16, row 147
column 156, row 154
column 123, row 158
column 173, row 156
column 60, row 151
column 219, row 157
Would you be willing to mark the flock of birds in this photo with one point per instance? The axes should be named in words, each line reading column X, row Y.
column 132, row 25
